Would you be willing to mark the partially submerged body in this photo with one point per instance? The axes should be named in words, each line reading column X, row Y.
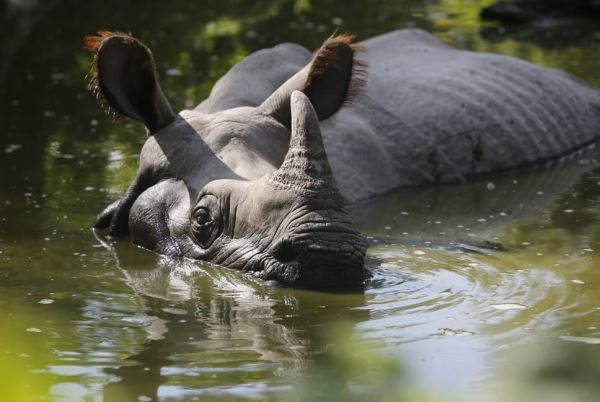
column 428, row 113
column 432, row 113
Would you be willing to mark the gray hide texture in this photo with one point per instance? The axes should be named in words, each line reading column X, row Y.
column 431, row 113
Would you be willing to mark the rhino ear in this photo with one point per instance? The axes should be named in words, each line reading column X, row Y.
column 124, row 79
column 333, row 77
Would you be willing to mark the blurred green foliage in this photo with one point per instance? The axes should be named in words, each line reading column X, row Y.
column 550, row 372
column 351, row 370
column 16, row 382
column 21, row 355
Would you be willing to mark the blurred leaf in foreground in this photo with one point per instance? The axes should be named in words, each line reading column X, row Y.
column 351, row 370
column 19, row 354
column 561, row 372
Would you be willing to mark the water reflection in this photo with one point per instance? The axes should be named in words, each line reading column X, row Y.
column 451, row 277
column 213, row 330
column 472, row 213
column 459, row 263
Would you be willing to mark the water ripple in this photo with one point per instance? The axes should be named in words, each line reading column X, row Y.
column 438, row 292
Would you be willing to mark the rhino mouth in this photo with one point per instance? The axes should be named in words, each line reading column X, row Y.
column 312, row 260
column 317, row 271
column 319, row 259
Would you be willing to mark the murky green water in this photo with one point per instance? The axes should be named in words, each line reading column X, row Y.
column 461, row 274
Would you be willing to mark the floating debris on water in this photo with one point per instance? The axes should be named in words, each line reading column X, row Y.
column 454, row 332
column 337, row 21
column 140, row 319
column 419, row 252
column 176, row 311
column 581, row 339
column 490, row 186
column 174, row 72
column 46, row 301
column 568, row 211
column 10, row 148
column 578, row 281
column 33, row 329
column 509, row 306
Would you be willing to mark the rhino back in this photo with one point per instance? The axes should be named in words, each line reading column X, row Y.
column 432, row 113
column 250, row 81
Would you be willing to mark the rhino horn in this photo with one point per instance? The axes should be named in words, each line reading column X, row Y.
column 305, row 169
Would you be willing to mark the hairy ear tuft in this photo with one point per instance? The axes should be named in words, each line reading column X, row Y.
column 334, row 77
column 329, row 59
column 123, row 79
column 92, row 44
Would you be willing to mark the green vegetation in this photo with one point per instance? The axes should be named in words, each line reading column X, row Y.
column 18, row 355
column 352, row 370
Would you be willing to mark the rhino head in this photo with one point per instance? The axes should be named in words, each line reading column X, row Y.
column 248, row 188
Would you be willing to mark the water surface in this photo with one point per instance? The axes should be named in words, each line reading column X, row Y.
column 461, row 273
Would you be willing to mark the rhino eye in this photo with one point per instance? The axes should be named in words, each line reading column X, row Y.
column 202, row 217
column 203, row 226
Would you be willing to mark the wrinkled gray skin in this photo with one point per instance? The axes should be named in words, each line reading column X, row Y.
column 429, row 114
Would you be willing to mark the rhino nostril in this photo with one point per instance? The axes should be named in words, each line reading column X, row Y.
column 284, row 252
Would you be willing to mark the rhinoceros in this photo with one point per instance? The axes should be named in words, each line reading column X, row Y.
column 259, row 177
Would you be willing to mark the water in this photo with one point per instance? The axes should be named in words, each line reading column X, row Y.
column 461, row 274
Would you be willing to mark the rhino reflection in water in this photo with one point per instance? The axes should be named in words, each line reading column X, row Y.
column 246, row 180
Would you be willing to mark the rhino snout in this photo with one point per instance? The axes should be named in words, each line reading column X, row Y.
column 328, row 257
